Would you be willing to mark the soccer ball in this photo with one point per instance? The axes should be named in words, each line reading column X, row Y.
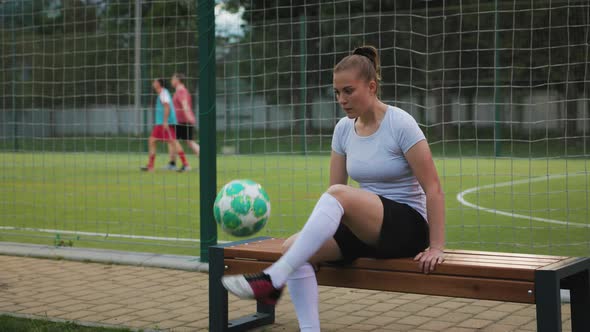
column 241, row 208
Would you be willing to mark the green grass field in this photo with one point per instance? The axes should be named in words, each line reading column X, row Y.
column 105, row 193
column 16, row 324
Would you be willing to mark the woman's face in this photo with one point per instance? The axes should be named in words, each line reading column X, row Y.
column 354, row 94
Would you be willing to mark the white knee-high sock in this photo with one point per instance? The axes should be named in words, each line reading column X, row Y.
column 303, row 287
column 321, row 225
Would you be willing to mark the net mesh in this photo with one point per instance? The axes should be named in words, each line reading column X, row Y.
column 501, row 90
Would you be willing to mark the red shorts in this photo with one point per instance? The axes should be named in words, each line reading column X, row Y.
column 162, row 134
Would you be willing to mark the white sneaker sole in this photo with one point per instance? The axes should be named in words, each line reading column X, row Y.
column 238, row 286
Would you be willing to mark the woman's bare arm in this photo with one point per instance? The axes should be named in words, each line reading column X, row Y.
column 420, row 159
column 338, row 174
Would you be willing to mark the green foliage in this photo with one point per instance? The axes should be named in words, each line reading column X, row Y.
column 76, row 55
column 421, row 42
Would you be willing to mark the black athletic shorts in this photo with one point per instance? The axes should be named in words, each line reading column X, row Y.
column 404, row 234
column 184, row 131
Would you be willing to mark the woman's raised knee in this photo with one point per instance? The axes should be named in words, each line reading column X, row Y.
column 337, row 190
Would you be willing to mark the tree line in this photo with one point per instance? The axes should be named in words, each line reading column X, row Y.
column 72, row 53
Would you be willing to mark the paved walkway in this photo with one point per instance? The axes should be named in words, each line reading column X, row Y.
column 155, row 298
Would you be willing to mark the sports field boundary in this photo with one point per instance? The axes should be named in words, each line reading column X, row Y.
column 105, row 256
column 461, row 198
column 104, row 235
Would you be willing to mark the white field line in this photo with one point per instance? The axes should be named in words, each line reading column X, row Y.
column 462, row 200
column 105, row 235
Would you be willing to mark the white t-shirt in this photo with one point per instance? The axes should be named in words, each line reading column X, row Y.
column 165, row 97
column 378, row 163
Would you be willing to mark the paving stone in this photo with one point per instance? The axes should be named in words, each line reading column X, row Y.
column 75, row 315
column 451, row 304
column 349, row 319
column 411, row 307
column 454, row 317
column 380, row 307
column 472, row 309
column 170, row 300
column 510, row 307
column 431, row 300
column 475, row 323
column 33, row 310
column 105, row 307
column 397, row 327
column 140, row 324
column 349, row 307
column 170, row 325
column 120, row 320
column 491, row 315
column 436, row 325
column 333, row 327
column 499, row 328
column 413, row 320
column 362, row 327
column 460, row 329
column 531, row 326
column 433, row 312
column 516, row 320
column 396, row 313
column 379, row 320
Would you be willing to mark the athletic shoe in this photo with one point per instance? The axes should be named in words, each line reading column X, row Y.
column 253, row 286
column 184, row 169
column 170, row 167
column 146, row 169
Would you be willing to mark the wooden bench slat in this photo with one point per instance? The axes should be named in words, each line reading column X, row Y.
column 443, row 285
column 503, row 254
column 483, row 259
column 269, row 249
column 465, row 269
column 458, row 263
column 275, row 244
column 530, row 265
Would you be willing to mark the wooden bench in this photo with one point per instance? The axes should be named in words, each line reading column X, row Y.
column 471, row 274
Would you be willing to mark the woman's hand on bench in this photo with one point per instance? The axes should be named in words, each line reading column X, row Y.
column 428, row 259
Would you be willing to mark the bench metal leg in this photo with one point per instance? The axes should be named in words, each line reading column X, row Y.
column 217, row 293
column 218, row 300
column 547, row 296
column 580, row 301
column 572, row 274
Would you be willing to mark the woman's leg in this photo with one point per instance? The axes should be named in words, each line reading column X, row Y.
column 360, row 210
column 303, row 285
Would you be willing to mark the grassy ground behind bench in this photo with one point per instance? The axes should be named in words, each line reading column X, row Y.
column 105, row 193
column 17, row 324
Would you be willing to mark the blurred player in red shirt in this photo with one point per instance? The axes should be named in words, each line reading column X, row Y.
column 183, row 106
column 164, row 127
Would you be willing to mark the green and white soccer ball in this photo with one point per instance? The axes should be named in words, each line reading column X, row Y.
column 242, row 208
